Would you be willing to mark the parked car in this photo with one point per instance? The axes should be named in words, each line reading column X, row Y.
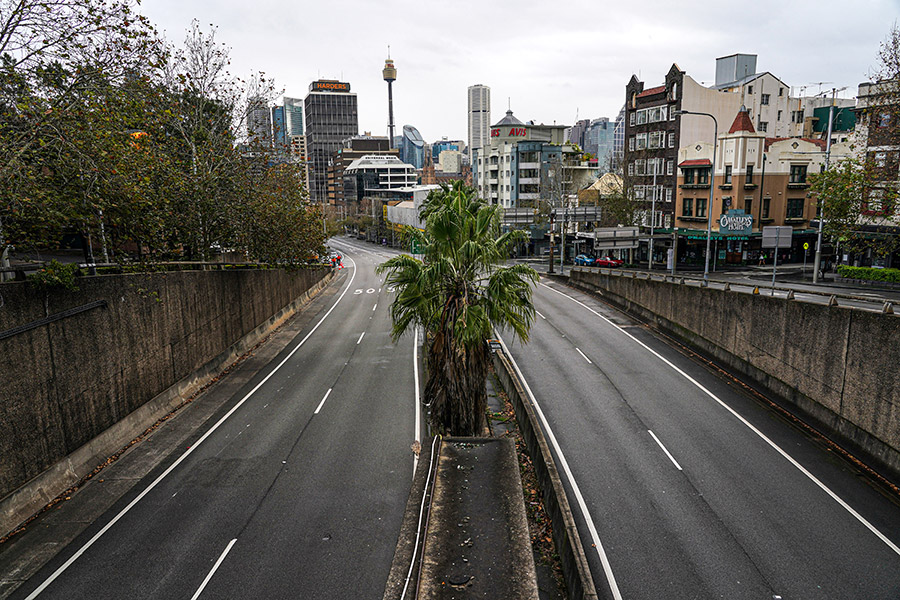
column 608, row 262
column 584, row 260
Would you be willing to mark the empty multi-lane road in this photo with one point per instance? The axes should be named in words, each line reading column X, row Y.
column 683, row 483
column 685, row 486
column 296, row 489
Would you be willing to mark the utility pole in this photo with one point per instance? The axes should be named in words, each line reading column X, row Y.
column 652, row 216
column 818, row 260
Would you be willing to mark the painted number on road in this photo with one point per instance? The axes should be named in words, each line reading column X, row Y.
column 368, row 291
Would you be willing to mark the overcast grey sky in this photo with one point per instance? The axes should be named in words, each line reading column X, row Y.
column 552, row 59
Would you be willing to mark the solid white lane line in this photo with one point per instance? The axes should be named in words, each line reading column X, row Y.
column 188, row 452
column 749, row 425
column 322, row 403
column 604, row 559
column 583, row 356
column 540, row 315
column 215, row 567
column 360, row 338
column 374, row 307
column 418, row 402
column 664, row 449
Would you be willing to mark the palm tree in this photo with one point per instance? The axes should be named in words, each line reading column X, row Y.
column 458, row 294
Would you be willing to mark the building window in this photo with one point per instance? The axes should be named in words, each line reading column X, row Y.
column 687, row 207
column 702, row 176
column 631, row 169
column 779, row 115
column 673, row 94
column 749, row 173
column 727, row 174
column 641, row 117
column 641, row 141
column 748, row 205
column 764, row 99
column 671, row 140
column 780, row 91
column 631, row 144
column 750, row 89
column 668, row 194
column 631, row 119
column 796, row 116
column 763, row 126
column 670, row 167
column 875, row 201
column 798, row 174
column 688, row 176
column 884, row 120
column 767, row 203
column 701, row 207
column 640, row 167
column 795, row 208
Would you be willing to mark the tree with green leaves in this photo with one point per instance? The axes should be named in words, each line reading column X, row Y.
column 860, row 195
column 458, row 293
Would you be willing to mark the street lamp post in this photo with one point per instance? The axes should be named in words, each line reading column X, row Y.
column 817, row 262
column 712, row 180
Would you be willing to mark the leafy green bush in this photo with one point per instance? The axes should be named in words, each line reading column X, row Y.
column 56, row 275
column 868, row 273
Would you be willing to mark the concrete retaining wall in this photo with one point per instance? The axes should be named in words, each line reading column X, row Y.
column 837, row 366
column 74, row 391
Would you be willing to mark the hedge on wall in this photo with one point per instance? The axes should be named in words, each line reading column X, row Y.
column 890, row 275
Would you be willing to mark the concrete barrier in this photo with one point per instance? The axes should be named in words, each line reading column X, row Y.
column 565, row 534
column 75, row 390
column 835, row 366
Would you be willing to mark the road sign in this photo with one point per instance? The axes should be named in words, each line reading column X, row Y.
column 806, row 245
column 777, row 236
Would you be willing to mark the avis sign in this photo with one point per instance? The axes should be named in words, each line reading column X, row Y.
column 513, row 132
column 736, row 222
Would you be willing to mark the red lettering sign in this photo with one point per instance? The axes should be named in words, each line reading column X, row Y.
column 495, row 133
column 517, row 131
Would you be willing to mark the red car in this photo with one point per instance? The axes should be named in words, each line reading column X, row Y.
column 608, row 262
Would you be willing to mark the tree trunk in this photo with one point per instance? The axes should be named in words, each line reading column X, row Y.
column 455, row 387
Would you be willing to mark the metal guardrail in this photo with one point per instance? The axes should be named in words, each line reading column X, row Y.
column 789, row 293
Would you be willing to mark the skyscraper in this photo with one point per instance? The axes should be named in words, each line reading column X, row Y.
column 479, row 116
column 412, row 147
column 331, row 117
column 293, row 116
column 279, row 132
column 259, row 122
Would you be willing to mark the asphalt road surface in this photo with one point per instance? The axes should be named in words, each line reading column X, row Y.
column 295, row 490
column 684, row 485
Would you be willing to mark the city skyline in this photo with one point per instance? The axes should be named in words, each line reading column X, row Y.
column 545, row 72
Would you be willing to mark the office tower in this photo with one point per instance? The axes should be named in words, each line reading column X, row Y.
column 331, row 117
column 479, row 116
column 412, row 147
column 259, row 122
column 279, row 132
column 293, row 116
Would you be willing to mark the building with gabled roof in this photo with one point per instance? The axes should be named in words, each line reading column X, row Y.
column 763, row 178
